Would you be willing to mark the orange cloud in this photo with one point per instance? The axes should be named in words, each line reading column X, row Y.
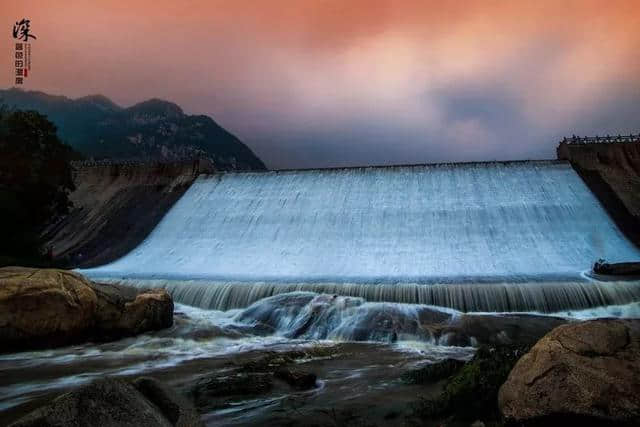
column 270, row 69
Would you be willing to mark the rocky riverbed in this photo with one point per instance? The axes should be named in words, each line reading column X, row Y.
column 394, row 365
column 232, row 376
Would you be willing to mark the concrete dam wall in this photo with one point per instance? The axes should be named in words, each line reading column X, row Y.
column 484, row 236
column 115, row 206
column 612, row 172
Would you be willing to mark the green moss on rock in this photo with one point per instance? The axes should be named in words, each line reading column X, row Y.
column 472, row 392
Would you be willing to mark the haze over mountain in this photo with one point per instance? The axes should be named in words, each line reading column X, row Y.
column 150, row 130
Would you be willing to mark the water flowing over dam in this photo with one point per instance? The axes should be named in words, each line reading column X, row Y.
column 504, row 236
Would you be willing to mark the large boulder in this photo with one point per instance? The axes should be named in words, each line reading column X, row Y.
column 42, row 308
column 588, row 371
column 111, row 402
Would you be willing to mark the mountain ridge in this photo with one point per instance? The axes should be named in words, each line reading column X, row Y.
column 151, row 130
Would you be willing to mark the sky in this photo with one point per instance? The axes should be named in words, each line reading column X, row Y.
column 320, row 83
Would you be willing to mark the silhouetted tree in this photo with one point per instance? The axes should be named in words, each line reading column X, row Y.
column 35, row 181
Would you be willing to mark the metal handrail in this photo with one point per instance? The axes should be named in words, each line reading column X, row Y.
column 608, row 139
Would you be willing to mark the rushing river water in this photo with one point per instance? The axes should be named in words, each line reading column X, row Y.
column 372, row 344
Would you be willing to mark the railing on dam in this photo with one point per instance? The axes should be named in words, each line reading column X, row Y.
column 198, row 165
column 608, row 139
column 134, row 163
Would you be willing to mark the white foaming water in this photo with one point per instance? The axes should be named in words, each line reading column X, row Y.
column 624, row 311
column 196, row 334
column 537, row 296
column 498, row 222
column 308, row 315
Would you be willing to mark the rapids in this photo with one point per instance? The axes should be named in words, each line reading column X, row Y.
column 365, row 336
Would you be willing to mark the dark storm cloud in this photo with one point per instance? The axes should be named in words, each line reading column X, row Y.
column 489, row 105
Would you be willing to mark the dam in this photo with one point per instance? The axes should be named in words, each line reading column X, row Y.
column 497, row 236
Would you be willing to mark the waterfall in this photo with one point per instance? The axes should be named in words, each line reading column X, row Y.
column 544, row 297
column 497, row 236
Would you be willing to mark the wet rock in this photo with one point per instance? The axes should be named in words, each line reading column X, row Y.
column 269, row 311
column 497, row 330
column 588, row 371
column 123, row 311
column 42, row 308
column 255, row 377
column 173, row 406
column 211, row 332
column 433, row 372
column 272, row 360
column 213, row 392
column 324, row 316
column 297, row 378
column 111, row 402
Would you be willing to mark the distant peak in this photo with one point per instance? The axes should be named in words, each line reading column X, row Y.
column 100, row 100
column 157, row 106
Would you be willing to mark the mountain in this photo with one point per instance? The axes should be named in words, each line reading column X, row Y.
column 151, row 130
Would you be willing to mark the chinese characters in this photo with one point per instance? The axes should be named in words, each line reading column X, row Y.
column 21, row 30
column 22, row 53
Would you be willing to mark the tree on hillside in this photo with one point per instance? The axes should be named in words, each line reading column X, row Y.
column 35, row 181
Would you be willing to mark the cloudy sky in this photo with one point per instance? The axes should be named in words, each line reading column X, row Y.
column 314, row 83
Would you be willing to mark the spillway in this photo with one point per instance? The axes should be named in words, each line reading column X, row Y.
column 500, row 236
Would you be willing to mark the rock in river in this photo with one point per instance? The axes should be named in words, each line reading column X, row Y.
column 297, row 378
column 588, row 371
column 42, row 308
column 111, row 402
